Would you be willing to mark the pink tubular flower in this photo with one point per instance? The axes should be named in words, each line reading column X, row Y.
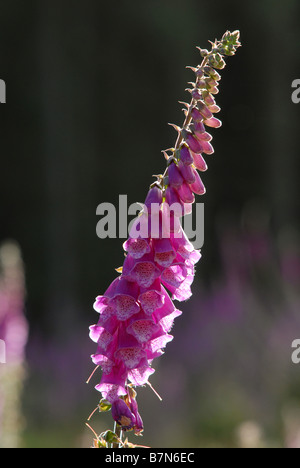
column 137, row 312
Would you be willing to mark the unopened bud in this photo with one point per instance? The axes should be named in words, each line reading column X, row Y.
column 192, row 142
column 187, row 173
column 197, row 186
column 211, row 82
column 208, row 98
column 199, row 72
column 199, row 162
column 216, row 61
column 201, row 136
column 198, row 126
column 185, row 155
column 203, row 52
column 196, row 115
column 204, row 110
column 212, row 73
column 175, row 178
column 207, row 147
column 213, row 90
column 213, row 122
column 196, row 94
column 201, row 84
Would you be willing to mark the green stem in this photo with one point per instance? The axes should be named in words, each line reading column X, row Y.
column 118, row 432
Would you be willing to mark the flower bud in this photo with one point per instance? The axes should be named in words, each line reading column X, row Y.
column 199, row 72
column 201, row 84
column 199, row 162
column 207, row 148
column 213, row 90
column 211, row 82
column 175, row 178
column 213, row 122
column 214, row 109
column 196, row 115
column 122, row 415
column 204, row 110
column 185, row 193
column 208, row 98
column 192, row 142
column 199, row 127
column 154, row 197
column 185, row 156
column 216, row 61
column 198, row 130
column 196, row 94
column 187, row 173
column 197, row 186
column 174, row 201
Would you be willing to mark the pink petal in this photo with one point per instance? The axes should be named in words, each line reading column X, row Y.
column 213, row 122
column 112, row 385
column 197, row 186
column 185, row 155
column 175, row 178
column 193, row 143
column 164, row 252
column 185, row 193
column 207, row 147
column 199, row 162
column 140, row 375
column 187, row 173
column 101, row 336
column 204, row 110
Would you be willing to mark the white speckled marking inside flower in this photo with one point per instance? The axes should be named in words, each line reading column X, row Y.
column 164, row 259
column 145, row 273
column 103, row 361
column 126, row 306
column 151, row 301
column 138, row 247
column 142, row 330
column 104, row 339
column 173, row 275
column 130, row 356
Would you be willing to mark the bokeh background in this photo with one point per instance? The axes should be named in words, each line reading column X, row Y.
column 91, row 87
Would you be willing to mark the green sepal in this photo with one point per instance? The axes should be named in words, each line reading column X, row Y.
column 110, row 437
column 104, row 406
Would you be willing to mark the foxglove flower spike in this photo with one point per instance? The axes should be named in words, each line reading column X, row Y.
column 136, row 313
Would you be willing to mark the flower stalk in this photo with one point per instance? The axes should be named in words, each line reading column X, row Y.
column 137, row 311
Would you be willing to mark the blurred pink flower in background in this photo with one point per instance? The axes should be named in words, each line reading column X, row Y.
column 14, row 334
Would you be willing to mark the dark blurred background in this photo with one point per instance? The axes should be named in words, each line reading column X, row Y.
column 91, row 87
